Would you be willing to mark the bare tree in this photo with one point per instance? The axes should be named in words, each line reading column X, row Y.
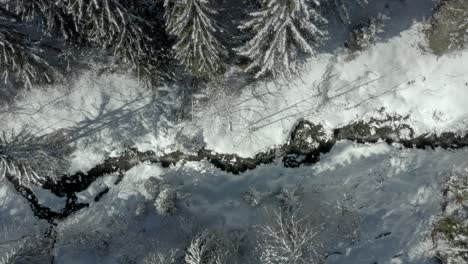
column 204, row 249
column 288, row 240
column 162, row 257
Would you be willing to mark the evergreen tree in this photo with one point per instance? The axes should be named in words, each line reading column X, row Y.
column 22, row 59
column 197, row 45
column 284, row 31
column 29, row 159
column 114, row 25
column 49, row 15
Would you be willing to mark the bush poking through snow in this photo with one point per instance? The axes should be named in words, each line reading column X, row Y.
column 163, row 195
column 165, row 203
column 365, row 33
column 449, row 27
column 457, row 189
column 153, row 186
column 224, row 247
column 288, row 240
column 450, row 233
column 289, row 198
column 169, row 257
column 452, row 239
column 254, row 197
column 141, row 209
column 203, row 249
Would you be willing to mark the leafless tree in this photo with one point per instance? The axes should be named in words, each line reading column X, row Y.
column 288, row 240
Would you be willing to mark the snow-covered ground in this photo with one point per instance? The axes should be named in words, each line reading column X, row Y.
column 393, row 77
column 370, row 203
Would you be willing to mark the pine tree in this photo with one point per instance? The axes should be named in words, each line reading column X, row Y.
column 114, row 25
column 29, row 159
column 22, row 59
column 197, row 46
column 50, row 16
column 284, row 31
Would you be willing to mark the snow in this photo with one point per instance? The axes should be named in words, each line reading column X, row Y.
column 48, row 199
column 399, row 201
column 16, row 218
column 396, row 75
column 103, row 114
column 95, row 188
column 349, row 152
column 393, row 194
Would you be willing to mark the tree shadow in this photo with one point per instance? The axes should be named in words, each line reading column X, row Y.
column 135, row 117
column 402, row 15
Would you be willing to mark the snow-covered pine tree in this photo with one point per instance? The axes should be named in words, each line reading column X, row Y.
column 284, row 32
column 49, row 15
column 114, row 25
column 110, row 24
column 22, row 59
column 198, row 46
column 26, row 159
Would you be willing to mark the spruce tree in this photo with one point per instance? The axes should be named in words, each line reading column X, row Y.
column 50, row 16
column 285, row 31
column 197, row 47
column 114, row 25
column 22, row 59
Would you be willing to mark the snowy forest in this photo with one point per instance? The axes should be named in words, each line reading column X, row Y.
column 234, row 131
column 162, row 41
